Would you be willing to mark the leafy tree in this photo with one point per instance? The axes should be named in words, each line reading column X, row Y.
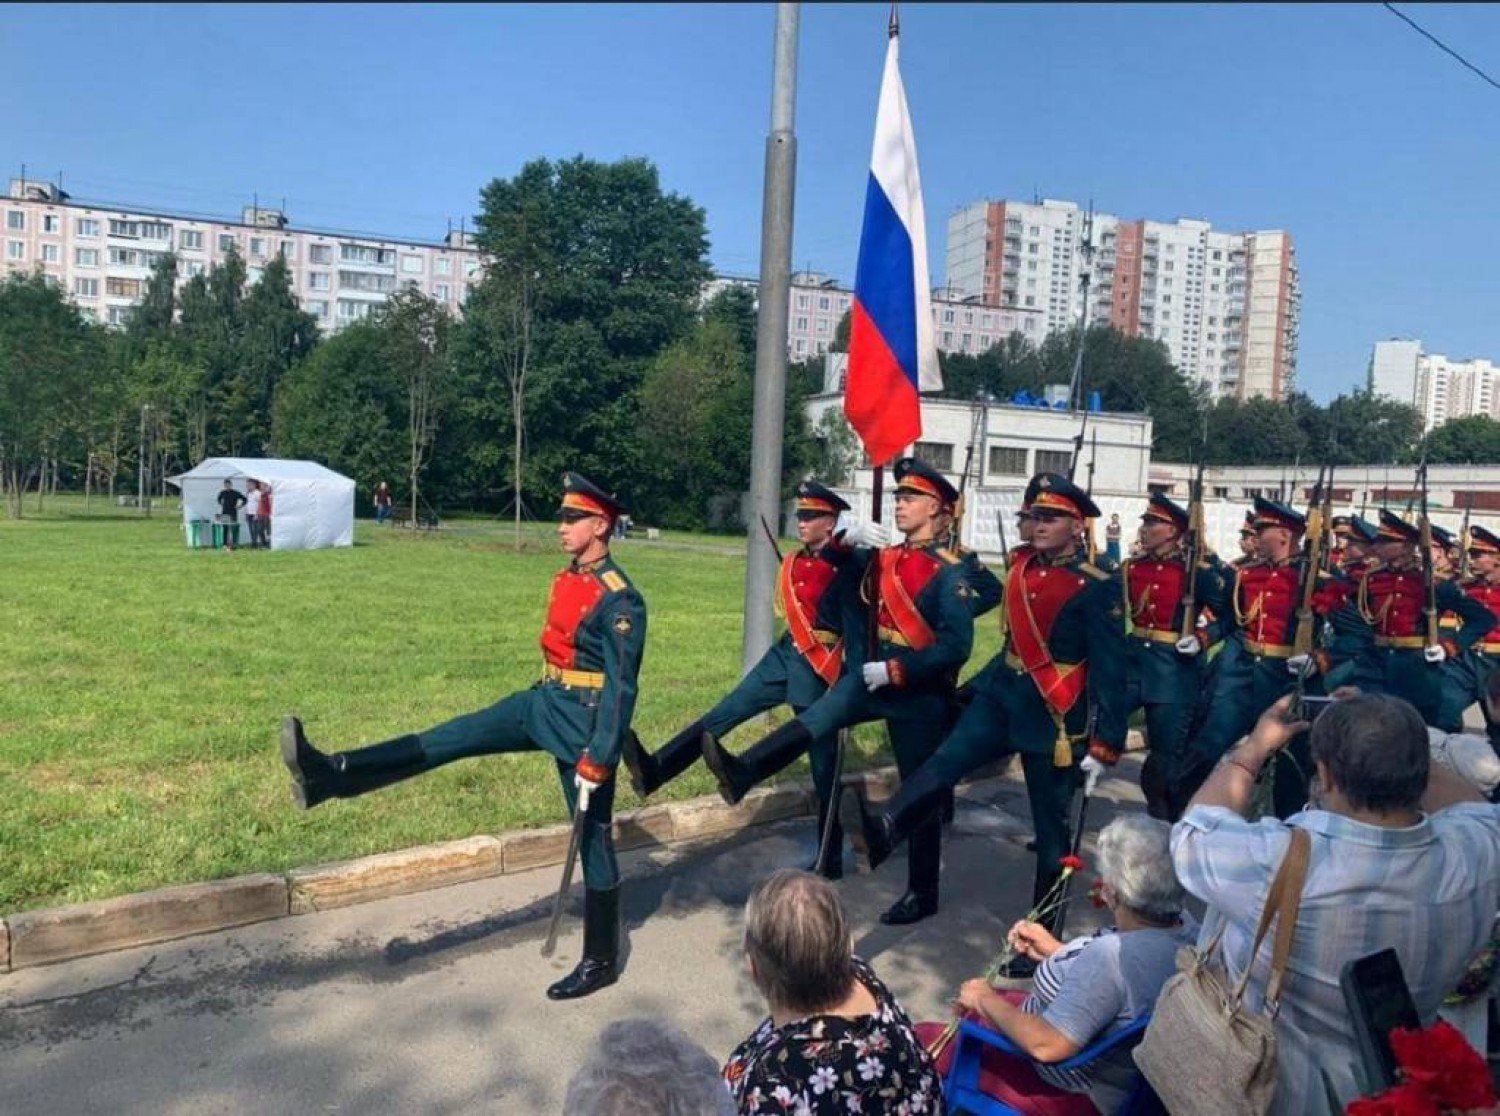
column 616, row 267
column 414, row 333
column 1253, row 432
column 837, row 449
column 276, row 333
column 1471, row 440
column 841, row 333
column 47, row 351
column 344, row 406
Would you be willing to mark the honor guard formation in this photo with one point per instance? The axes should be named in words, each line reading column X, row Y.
column 879, row 627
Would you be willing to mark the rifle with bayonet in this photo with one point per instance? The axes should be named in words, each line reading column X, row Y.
column 1313, row 544
column 1463, row 540
column 976, row 429
column 1193, row 556
column 1429, row 579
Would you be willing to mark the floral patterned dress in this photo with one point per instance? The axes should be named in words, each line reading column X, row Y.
column 826, row 1065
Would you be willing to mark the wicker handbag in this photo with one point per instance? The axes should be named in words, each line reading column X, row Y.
column 1204, row 1052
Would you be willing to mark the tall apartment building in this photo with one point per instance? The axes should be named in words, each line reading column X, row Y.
column 1440, row 388
column 817, row 304
column 102, row 255
column 1225, row 304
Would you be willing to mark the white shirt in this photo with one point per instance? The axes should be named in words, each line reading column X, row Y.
column 1429, row 891
column 252, row 502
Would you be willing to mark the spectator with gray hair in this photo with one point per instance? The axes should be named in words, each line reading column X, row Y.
column 644, row 1067
column 1088, row 986
column 836, row 1040
column 1405, row 855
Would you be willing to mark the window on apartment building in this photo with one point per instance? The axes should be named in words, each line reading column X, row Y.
column 360, row 253
column 1033, row 249
column 1008, row 460
column 320, row 253
column 51, row 253
column 823, row 325
column 51, row 223
column 226, row 242
column 937, row 454
column 1036, row 230
column 801, row 325
column 823, row 303
column 349, row 310
column 253, row 274
column 289, row 250
column 15, row 250
column 947, row 317
column 986, row 320
column 86, row 226
column 257, row 247
column 15, row 220
column 442, row 266
column 1030, row 300
column 1166, row 299
column 801, row 302
column 822, row 347
column 363, row 281
column 191, row 268
column 411, row 265
column 1053, row 461
column 1218, row 255
column 985, row 340
column 317, row 307
column 122, row 288
column 947, row 338
column 190, row 239
column 440, row 292
column 318, row 280
column 801, row 347
column 86, row 288
column 966, row 342
column 86, row 257
column 1169, row 265
column 119, row 315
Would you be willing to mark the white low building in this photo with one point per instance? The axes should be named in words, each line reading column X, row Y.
column 1010, row 444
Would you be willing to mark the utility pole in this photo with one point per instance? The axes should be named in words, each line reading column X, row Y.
column 770, row 338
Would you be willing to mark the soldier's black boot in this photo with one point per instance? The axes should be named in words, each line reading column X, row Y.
column 736, row 775
column 875, row 833
column 317, row 777
column 831, row 866
column 649, row 772
column 601, row 947
column 924, row 853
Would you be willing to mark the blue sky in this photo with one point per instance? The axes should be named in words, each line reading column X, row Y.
column 1380, row 154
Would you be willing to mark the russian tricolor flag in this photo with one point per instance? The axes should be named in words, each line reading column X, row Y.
column 891, row 352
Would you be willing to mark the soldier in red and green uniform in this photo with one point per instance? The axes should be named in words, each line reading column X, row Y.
column 1054, row 693
column 1348, row 655
column 1393, row 598
column 1465, row 676
column 1166, row 668
column 924, row 631
column 1256, row 666
column 797, row 669
column 579, row 712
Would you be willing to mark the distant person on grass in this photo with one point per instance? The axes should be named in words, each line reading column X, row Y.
column 382, row 503
column 230, row 499
column 579, row 712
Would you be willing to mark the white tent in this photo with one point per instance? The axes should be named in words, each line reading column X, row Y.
column 311, row 506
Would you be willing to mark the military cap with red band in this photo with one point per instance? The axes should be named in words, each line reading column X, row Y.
column 1162, row 510
column 917, row 476
column 1056, row 493
column 1483, row 540
column 814, row 499
column 1272, row 513
column 1395, row 529
column 582, row 497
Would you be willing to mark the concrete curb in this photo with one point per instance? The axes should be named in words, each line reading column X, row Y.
column 50, row 936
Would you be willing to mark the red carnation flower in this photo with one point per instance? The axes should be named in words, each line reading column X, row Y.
column 1441, row 1060
column 1399, row 1100
column 1072, row 863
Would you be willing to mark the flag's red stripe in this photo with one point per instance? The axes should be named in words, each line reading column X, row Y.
column 880, row 400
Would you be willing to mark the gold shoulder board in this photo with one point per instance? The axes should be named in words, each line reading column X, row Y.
column 948, row 556
column 612, row 580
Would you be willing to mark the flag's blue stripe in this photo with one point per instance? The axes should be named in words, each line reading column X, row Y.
column 884, row 281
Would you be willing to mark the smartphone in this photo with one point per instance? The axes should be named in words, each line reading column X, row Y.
column 1379, row 1001
column 1312, row 707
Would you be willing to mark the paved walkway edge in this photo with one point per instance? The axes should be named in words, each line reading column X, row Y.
column 46, row 937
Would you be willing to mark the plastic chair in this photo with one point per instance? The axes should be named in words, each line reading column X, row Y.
column 961, row 1089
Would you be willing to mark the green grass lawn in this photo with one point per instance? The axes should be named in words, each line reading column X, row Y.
column 142, row 686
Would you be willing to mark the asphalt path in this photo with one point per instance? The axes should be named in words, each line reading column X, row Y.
column 433, row 1003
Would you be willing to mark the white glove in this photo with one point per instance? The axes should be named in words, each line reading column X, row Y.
column 857, row 532
column 586, row 789
column 1189, row 645
column 876, row 675
column 1434, row 654
column 1091, row 769
column 1299, row 665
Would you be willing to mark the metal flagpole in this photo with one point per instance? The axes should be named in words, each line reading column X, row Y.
column 770, row 337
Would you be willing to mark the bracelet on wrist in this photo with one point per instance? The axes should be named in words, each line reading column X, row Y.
column 1253, row 772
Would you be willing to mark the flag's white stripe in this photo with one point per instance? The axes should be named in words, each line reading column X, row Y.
column 893, row 162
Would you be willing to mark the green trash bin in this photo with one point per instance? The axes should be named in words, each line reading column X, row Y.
column 196, row 533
